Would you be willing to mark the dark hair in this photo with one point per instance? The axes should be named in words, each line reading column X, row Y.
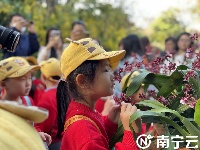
column 178, row 38
column 13, row 15
column 132, row 44
column 78, row 22
column 144, row 42
column 170, row 38
column 48, row 34
column 68, row 90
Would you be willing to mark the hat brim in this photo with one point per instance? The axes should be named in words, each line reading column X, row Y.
column 113, row 56
column 23, row 71
column 31, row 113
column 31, row 59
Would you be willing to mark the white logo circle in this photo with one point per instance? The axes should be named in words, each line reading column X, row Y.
column 144, row 141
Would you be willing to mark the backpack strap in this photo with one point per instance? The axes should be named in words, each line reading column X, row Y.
column 28, row 101
column 75, row 118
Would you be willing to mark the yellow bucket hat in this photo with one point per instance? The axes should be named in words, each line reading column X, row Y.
column 50, row 68
column 86, row 49
column 13, row 67
column 123, row 81
column 31, row 59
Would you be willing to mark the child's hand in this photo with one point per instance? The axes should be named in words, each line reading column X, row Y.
column 109, row 103
column 126, row 111
column 114, row 113
column 45, row 137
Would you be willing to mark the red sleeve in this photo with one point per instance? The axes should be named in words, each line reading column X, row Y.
column 110, row 127
column 127, row 143
column 45, row 102
column 87, row 137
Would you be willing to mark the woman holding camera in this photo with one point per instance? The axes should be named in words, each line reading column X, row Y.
column 54, row 45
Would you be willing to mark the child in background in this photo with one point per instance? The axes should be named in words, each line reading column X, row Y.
column 155, row 129
column 15, row 79
column 50, row 75
column 37, row 87
column 87, row 76
column 135, row 98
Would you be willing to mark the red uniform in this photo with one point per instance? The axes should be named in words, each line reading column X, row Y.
column 84, row 135
column 38, row 90
column 48, row 101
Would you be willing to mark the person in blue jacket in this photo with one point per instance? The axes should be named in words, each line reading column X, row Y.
column 28, row 43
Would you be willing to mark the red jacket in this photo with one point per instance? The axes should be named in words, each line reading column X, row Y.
column 84, row 135
column 48, row 101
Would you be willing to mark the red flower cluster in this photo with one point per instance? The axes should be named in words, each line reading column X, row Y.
column 152, row 93
column 196, row 63
column 188, row 99
column 172, row 66
column 189, row 74
column 122, row 98
column 142, row 95
column 195, row 36
column 162, row 100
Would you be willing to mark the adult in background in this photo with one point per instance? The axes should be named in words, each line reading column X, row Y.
column 183, row 43
column 132, row 45
column 148, row 49
column 170, row 44
column 78, row 30
column 28, row 43
column 54, row 45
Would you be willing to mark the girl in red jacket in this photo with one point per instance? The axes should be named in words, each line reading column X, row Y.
column 88, row 75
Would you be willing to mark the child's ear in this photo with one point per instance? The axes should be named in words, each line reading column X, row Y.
column 80, row 80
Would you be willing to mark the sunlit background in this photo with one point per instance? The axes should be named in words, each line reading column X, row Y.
column 109, row 21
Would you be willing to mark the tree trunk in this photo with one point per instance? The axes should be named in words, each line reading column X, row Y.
column 51, row 6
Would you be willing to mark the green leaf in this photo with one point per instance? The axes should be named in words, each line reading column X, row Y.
column 126, row 82
column 182, row 67
column 195, row 85
column 197, row 113
column 182, row 108
column 136, row 83
column 157, row 114
column 171, row 84
column 157, row 80
column 152, row 103
column 171, row 144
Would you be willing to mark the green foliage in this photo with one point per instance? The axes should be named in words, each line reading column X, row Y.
column 197, row 113
column 107, row 23
column 166, row 25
